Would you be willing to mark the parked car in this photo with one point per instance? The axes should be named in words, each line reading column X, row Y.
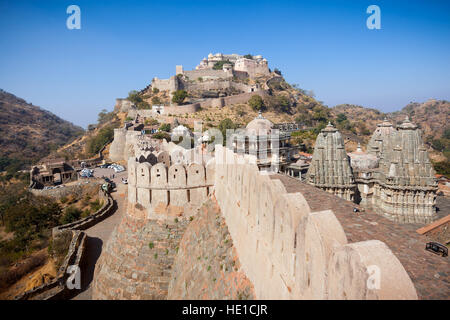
column 125, row 181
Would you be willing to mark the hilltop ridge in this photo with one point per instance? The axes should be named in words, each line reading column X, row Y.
column 29, row 132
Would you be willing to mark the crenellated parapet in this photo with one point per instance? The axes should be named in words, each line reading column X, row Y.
column 159, row 188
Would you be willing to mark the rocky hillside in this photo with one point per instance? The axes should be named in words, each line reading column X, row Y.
column 28, row 133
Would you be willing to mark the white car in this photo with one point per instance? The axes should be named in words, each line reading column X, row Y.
column 125, row 181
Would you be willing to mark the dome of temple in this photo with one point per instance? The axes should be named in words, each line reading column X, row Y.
column 407, row 124
column 181, row 131
column 359, row 160
column 259, row 125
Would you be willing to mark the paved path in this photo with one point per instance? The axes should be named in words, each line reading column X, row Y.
column 99, row 234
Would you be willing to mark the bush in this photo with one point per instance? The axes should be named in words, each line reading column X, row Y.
column 156, row 101
column 219, row 64
column 224, row 125
column 71, row 214
column 437, row 144
column 29, row 217
column 105, row 116
column 155, row 90
column 165, row 127
column 103, row 137
column 59, row 246
column 179, row 96
column 136, row 98
column 341, row 117
column 96, row 205
column 256, row 103
column 161, row 135
column 442, row 167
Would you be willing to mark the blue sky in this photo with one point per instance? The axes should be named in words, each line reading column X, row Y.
column 321, row 45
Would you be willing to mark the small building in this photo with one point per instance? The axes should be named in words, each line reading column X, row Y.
column 52, row 172
column 271, row 147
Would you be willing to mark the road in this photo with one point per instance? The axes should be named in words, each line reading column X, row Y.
column 99, row 234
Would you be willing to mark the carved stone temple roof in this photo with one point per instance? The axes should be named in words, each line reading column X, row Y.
column 330, row 165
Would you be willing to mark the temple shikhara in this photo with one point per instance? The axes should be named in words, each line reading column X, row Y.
column 395, row 176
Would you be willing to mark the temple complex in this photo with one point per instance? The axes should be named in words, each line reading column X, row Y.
column 394, row 176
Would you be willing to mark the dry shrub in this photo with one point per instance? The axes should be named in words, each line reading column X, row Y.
column 14, row 274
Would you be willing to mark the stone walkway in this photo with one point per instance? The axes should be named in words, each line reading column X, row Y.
column 99, row 234
column 430, row 273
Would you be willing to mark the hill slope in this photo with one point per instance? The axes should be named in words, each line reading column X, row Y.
column 28, row 133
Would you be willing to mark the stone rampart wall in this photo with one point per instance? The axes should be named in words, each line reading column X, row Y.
column 289, row 252
column 194, row 74
column 82, row 224
column 159, row 186
column 57, row 288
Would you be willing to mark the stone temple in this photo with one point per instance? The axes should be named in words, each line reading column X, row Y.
column 395, row 176
column 330, row 166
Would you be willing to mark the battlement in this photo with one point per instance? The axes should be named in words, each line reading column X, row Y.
column 161, row 188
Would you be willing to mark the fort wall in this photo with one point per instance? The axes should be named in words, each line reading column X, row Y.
column 194, row 74
column 289, row 252
column 117, row 148
column 170, row 84
column 168, row 190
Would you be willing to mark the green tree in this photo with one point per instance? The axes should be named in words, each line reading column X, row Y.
column 103, row 137
column 219, row 64
column 256, row 103
column 437, row 144
column 179, row 96
column 165, row 127
column 341, row 117
column 136, row 98
column 105, row 116
column 71, row 214
column 224, row 125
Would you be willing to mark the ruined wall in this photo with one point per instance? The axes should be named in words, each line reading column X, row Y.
column 289, row 252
